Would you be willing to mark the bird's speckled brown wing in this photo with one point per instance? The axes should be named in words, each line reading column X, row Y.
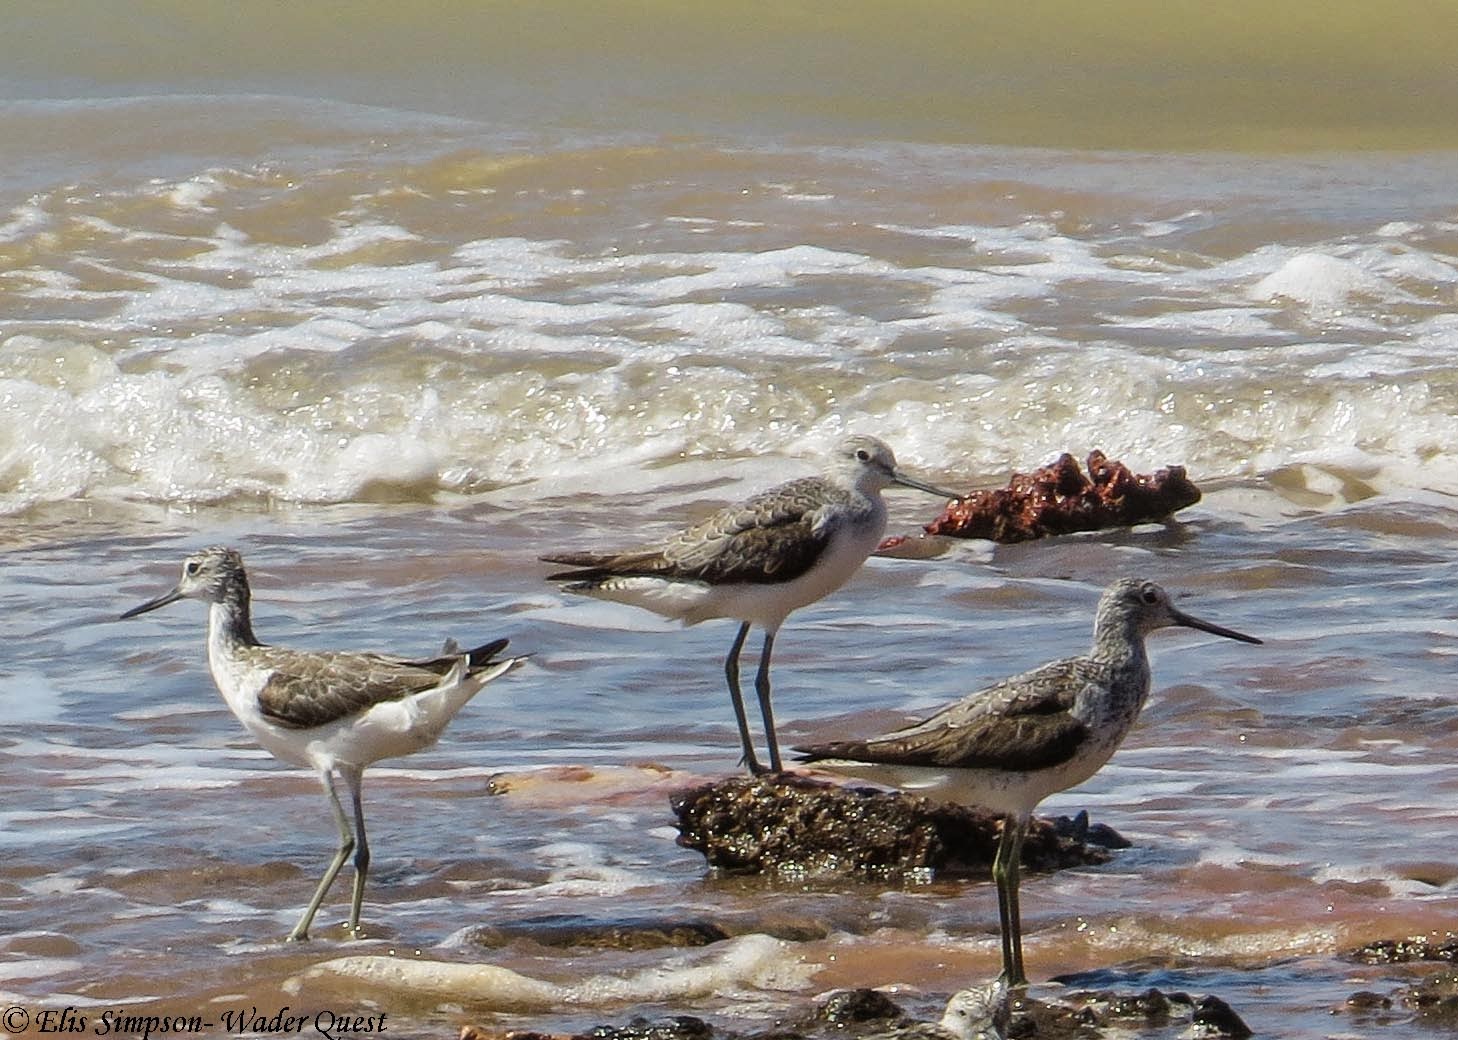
column 775, row 536
column 1020, row 723
column 313, row 689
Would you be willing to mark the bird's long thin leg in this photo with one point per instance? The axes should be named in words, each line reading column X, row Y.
column 999, row 878
column 1015, row 866
column 1006, row 872
column 346, row 846
column 731, row 673
column 354, row 777
column 766, row 711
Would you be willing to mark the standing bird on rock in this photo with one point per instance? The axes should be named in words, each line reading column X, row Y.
column 329, row 710
column 757, row 561
column 1009, row 746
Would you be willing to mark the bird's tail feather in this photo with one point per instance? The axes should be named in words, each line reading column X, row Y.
column 594, row 567
column 481, row 656
column 852, row 749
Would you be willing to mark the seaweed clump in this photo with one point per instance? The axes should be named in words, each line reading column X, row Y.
column 1060, row 499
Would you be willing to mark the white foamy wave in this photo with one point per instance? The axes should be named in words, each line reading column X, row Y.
column 748, row 961
column 1322, row 282
column 381, row 355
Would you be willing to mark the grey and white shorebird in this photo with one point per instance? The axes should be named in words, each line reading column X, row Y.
column 1012, row 744
column 756, row 561
column 978, row 1013
column 335, row 712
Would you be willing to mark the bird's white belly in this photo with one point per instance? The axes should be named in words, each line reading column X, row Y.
column 1010, row 792
column 240, row 686
column 766, row 604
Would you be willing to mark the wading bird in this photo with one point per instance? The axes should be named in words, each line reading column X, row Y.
column 336, row 712
column 1012, row 744
column 756, row 561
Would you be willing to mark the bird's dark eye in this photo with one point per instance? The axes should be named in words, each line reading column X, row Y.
column 191, row 568
column 1149, row 594
column 863, row 455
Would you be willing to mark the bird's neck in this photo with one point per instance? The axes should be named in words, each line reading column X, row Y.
column 230, row 622
column 1119, row 644
column 865, row 496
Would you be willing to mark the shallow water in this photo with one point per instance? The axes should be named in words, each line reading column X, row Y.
column 392, row 350
column 1286, row 802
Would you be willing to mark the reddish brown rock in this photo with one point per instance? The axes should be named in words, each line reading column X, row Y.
column 1059, row 499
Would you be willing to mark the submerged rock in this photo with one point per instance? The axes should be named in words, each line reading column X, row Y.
column 1435, row 998
column 1059, row 499
column 794, row 825
column 571, row 930
column 1366, row 1000
column 641, row 932
column 1427, row 1003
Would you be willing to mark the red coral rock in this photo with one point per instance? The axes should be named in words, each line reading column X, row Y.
column 1059, row 499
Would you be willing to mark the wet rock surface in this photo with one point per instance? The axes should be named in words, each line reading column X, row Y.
column 668, row 931
column 563, row 931
column 1433, row 999
column 1060, row 499
column 1214, row 1017
column 858, row 1005
column 871, row 1015
column 1406, row 951
column 797, row 826
column 1428, row 1000
column 677, row 1027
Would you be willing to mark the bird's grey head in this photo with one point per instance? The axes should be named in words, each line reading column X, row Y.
column 981, row 1013
column 1147, row 606
column 870, row 465
column 211, row 575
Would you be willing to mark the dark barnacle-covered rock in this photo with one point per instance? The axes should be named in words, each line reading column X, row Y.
column 679, row 1027
column 1059, row 499
column 865, row 1014
column 1215, row 1018
column 1151, row 1007
column 858, row 1005
column 1405, row 951
column 1435, row 998
column 1109, row 1009
column 793, row 825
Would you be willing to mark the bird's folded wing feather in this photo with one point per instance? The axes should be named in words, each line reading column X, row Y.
column 314, row 689
column 775, row 536
column 772, row 537
column 1020, row 723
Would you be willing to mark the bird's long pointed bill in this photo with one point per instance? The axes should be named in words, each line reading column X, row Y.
column 921, row 485
column 1215, row 630
column 153, row 604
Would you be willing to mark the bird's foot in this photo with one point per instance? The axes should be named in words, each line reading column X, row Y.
column 1013, row 981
